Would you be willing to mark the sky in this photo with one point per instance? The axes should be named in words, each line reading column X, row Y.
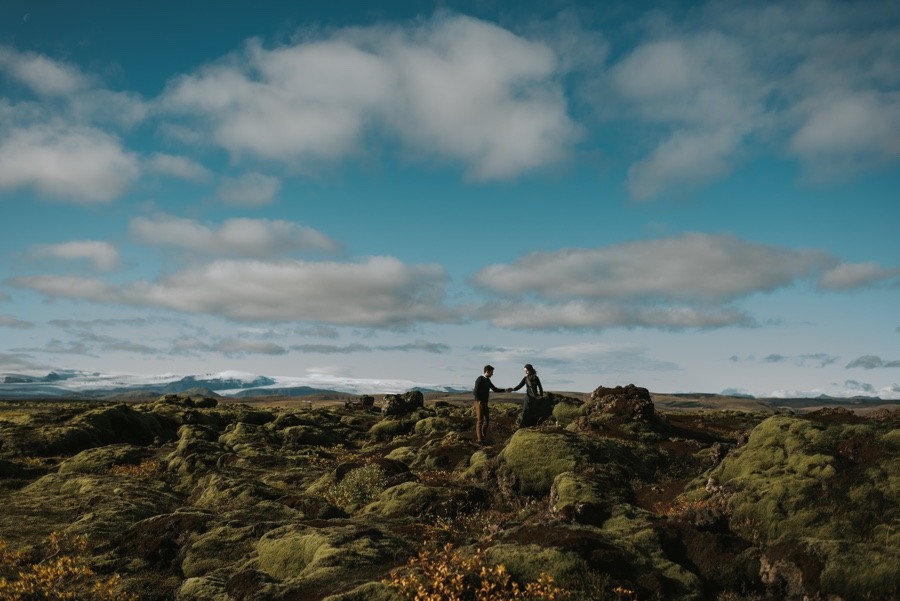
column 690, row 197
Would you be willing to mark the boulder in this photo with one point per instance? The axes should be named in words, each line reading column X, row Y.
column 401, row 404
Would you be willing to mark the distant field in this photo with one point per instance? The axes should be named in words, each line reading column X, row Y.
column 664, row 402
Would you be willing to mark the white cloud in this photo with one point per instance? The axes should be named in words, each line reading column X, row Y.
column 690, row 267
column 107, row 107
column 687, row 159
column 700, row 90
column 79, row 164
column 377, row 292
column 594, row 356
column 102, row 255
column 43, row 75
column 818, row 80
column 846, row 276
column 478, row 93
column 592, row 315
column 68, row 286
column 256, row 238
column 848, row 131
column 249, row 190
column 453, row 88
column 178, row 166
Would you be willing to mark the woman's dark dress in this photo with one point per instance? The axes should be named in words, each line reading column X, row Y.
column 532, row 407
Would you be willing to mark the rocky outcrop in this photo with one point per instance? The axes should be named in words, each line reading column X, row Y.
column 401, row 404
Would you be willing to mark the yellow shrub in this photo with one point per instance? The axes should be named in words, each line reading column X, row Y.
column 450, row 575
column 61, row 575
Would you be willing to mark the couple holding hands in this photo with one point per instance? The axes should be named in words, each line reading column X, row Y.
column 482, row 391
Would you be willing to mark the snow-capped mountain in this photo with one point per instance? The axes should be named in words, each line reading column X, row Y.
column 227, row 383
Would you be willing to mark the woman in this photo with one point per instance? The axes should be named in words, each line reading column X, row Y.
column 534, row 394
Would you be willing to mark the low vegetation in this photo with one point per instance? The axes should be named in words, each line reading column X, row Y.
column 610, row 499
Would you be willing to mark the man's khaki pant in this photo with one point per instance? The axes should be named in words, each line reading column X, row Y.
column 482, row 420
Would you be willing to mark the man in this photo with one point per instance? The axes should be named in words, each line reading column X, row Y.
column 482, row 391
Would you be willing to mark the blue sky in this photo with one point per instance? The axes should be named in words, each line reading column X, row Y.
column 686, row 196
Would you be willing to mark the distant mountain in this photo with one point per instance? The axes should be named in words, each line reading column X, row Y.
column 279, row 391
column 233, row 384
column 217, row 383
column 21, row 379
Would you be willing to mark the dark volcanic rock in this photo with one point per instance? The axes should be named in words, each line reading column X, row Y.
column 401, row 404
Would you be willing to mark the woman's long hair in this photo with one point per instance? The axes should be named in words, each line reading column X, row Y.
column 530, row 368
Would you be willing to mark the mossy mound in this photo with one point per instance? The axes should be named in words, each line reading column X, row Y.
column 818, row 495
column 417, row 500
column 532, row 459
column 305, row 558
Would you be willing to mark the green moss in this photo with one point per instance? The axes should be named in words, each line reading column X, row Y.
column 285, row 556
column 786, row 485
column 632, row 529
column 535, row 458
column 370, row 591
column 892, row 438
column 358, row 487
column 406, row 455
column 391, row 427
column 324, row 559
column 216, row 549
column 567, row 410
column 525, row 563
column 408, row 498
column 432, row 425
column 858, row 571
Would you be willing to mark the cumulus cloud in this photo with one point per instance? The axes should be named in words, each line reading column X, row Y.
column 42, row 75
column 249, row 190
column 595, row 356
column 848, row 132
column 846, row 276
column 814, row 80
column 80, row 164
column 689, row 267
column 686, row 281
column 375, row 292
column 454, row 88
column 103, row 256
column 581, row 315
column 257, row 238
column 698, row 89
column 872, row 362
column 179, row 167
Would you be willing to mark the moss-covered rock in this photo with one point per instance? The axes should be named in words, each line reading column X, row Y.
column 814, row 493
column 217, row 548
column 391, row 427
column 578, row 497
column 101, row 460
column 533, row 458
column 304, row 557
column 566, row 409
column 526, row 563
